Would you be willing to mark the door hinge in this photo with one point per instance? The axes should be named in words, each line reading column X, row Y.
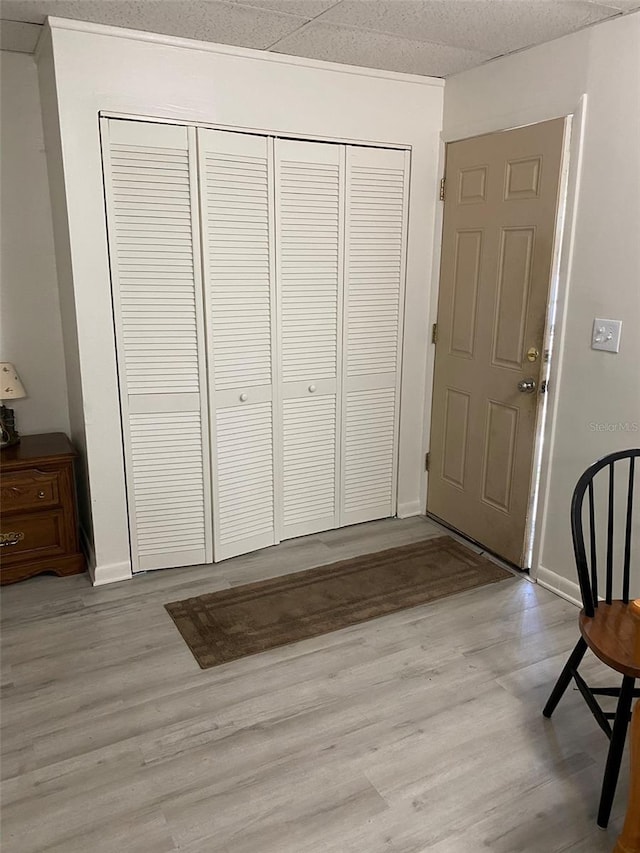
column 441, row 189
column 426, row 462
column 434, row 333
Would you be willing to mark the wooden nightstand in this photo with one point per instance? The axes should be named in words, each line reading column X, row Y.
column 38, row 525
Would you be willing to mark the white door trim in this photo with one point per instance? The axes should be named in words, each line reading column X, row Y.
column 255, row 131
column 55, row 23
column 562, row 285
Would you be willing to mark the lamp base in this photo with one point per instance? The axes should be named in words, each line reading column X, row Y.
column 8, row 433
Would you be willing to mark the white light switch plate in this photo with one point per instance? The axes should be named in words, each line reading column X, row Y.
column 606, row 335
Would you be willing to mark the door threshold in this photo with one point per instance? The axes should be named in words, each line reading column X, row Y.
column 478, row 546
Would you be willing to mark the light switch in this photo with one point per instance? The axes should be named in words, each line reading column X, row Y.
column 606, row 335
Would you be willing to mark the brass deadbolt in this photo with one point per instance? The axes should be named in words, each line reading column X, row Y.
column 533, row 354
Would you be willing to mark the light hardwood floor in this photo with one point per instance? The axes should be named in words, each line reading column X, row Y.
column 419, row 731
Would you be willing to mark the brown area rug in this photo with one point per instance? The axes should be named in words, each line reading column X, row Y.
column 222, row 626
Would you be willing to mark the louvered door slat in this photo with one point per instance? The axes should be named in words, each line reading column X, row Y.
column 309, row 205
column 308, row 189
column 153, row 243
column 236, row 204
column 235, row 182
column 244, row 459
column 309, row 460
column 375, row 241
column 369, row 449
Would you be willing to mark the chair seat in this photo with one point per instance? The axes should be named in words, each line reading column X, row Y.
column 613, row 635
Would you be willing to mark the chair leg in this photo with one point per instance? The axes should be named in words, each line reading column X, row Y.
column 562, row 683
column 616, row 748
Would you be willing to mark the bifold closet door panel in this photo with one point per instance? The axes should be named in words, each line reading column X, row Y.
column 152, row 212
column 236, row 179
column 309, row 239
column 375, row 241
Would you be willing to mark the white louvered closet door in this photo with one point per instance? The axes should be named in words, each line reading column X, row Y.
column 151, row 193
column 309, row 206
column 236, row 180
column 375, row 240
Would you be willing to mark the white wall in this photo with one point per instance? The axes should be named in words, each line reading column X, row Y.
column 30, row 327
column 593, row 387
column 100, row 72
column 104, row 69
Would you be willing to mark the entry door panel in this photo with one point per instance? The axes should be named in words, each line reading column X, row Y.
column 237, row 202
column 309, row 210
column 150, row 176
column 376, row 221
column 497, row 252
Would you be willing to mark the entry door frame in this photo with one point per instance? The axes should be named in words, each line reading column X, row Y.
column 571, row 169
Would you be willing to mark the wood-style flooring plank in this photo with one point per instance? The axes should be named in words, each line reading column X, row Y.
column 417, row 732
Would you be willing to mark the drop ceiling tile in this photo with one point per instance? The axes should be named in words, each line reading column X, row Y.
column 494, row 26
column 18, row 36
column 617, row 5
column 377, row 50
column 304, row 8
column 208, row 20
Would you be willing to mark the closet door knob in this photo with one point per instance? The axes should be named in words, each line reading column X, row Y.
column 312, row 388
column 244, row 398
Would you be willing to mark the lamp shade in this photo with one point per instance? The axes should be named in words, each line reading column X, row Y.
column 10, row 386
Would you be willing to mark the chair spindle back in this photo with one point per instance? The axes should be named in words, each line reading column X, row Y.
column 588, row 567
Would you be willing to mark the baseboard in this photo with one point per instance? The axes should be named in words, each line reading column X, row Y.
column 101, row 575
column 569, row 590
column 410, row 509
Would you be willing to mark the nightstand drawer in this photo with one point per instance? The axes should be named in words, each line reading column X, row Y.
column 38, row 523
column 29, row 489
column 25, row 537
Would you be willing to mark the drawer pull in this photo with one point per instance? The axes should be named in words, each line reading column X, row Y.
column 41, row 495
column 7, row 539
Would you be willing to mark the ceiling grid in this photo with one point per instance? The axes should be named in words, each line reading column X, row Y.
column 434, row 38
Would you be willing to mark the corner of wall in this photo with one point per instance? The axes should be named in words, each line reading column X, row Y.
column 53, row 149
column 30, row 322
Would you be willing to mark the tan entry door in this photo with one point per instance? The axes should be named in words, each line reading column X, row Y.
column 497, row 251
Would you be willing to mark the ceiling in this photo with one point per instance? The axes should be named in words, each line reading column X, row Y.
column 431, row 37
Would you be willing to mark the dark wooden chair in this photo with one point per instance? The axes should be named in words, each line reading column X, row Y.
column 609, row 626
